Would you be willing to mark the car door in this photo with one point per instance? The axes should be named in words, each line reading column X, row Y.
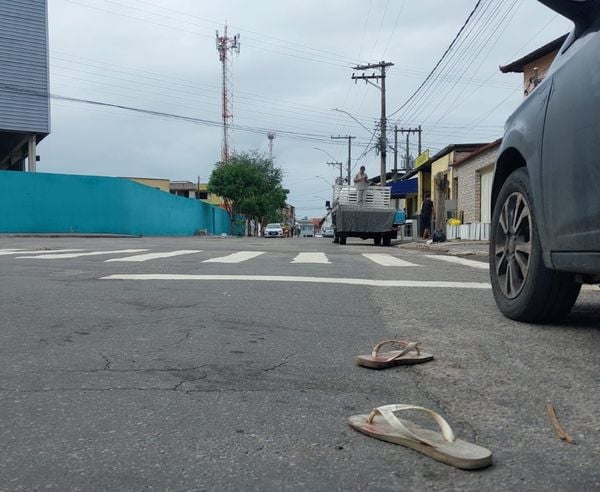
column 571, row 148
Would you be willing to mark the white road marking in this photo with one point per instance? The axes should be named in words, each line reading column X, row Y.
column 388, row 260
column 321, row 280
column 591, row 287
column 152, row 256
column 77, row 255
column 482, row 265
column 4, row 252
column 311, row 258
column 235, row 257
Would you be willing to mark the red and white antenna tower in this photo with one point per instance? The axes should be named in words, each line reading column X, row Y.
column 271, row 137
column 226, row 46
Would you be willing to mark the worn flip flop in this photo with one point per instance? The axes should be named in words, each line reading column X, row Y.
column 410, row 353
column 382, row 424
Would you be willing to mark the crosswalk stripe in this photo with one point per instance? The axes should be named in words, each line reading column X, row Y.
column 153, row 256
column 311, row 258
column 77, row 255
column 4, row 252
column 388, row 260
column 461, row 261
column 235, row 257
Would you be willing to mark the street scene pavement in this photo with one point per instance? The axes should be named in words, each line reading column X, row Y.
column 229, row 364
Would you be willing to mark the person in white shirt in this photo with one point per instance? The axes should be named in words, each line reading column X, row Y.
column 361, row 180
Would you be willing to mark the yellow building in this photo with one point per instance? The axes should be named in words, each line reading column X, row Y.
column 186, row 189
column 159, row 183
column 440, row 163
column 195, row 190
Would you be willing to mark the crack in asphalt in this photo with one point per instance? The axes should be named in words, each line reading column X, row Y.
column 286, row 359
column 125, row 371
column 108, row 362
column 185, row 337
column 176, row 387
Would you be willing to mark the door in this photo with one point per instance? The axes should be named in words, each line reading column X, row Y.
column 571, row 149
column 486, row 177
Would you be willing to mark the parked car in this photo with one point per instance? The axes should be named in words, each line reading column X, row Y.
column 328, row 231
column 545, row 231
column 273, row 230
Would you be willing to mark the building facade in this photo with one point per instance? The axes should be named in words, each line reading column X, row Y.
column 535, row 65
column 473, row 177
column 24, row 82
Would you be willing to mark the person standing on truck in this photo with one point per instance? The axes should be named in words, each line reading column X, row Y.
column 426, row 214
column 361, row 180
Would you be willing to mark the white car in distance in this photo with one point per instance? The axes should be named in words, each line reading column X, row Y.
column 273, row 230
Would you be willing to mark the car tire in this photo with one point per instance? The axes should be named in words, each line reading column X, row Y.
column 524, row 289
column 387, row 240
column 342, row 239
column 377, row 240
column 336, row 238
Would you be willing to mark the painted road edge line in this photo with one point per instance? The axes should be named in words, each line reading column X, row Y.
column 299, row 279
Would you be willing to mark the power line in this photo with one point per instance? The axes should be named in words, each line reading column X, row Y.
column 189, row 119
column 440, row 60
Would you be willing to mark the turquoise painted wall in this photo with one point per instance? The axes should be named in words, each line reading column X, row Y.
column 64, row 203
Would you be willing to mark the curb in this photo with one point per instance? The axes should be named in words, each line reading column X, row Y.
column 450, row 248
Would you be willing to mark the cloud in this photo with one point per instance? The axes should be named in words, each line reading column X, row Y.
column 293, row 68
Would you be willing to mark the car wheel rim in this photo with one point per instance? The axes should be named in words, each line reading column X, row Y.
column 513, row 245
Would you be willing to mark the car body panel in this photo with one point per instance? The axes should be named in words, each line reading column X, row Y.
column 524, row 129
column 571, row 148
column 555, row 133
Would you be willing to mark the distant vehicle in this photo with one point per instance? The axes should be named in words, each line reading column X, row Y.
column 364, row 213
column 328, row 232
column 307, row 229
column 273, row 230
column 545, row 231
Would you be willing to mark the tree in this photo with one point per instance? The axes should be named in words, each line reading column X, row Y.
column 250, row 185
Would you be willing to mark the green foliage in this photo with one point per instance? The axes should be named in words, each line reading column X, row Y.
column 250, row 185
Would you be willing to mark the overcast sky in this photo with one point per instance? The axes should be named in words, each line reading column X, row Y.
column 294, row 67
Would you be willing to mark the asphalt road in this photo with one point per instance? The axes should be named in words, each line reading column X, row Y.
column 237, row 376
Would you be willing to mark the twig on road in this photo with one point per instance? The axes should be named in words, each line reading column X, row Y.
column 560, row 432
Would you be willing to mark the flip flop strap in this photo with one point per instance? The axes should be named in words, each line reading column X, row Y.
column 406, row 346
column 387, row 412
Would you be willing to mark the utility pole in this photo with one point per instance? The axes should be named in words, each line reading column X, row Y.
column 395, row 177
column 349, row 170
column 382, row 65
column 341, row 166
column 408, row 131
column 226, row 45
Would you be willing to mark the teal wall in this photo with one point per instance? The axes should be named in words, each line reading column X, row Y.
column 64, row 203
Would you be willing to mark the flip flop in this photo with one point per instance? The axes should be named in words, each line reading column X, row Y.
column 409, row 354
column 382, row 424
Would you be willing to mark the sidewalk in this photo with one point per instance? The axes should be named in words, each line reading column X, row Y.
column 455, row 247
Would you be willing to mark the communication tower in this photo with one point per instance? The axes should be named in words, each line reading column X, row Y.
column 225, row 47
column 271, row 137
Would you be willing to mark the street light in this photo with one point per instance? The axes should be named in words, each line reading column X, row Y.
column 346, row 112
column 322, row 178
column 317, row 148
column 334, row 163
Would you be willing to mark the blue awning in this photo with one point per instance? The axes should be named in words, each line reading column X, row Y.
column 400, row 189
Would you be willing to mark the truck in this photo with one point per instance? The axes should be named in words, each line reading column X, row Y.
column 365, row 213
